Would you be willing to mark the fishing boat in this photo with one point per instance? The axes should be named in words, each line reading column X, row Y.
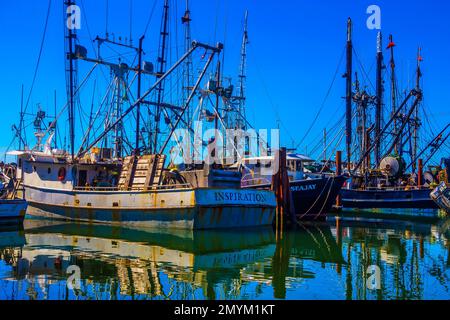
column 385, row 161
column 113, row 180
column 12, row 209
column 313, row 194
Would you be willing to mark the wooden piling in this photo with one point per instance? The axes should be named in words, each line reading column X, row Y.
column 281, row 187
column 420, row 174
column 338, row 173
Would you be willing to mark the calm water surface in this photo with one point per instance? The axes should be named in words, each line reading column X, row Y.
column 326, row 261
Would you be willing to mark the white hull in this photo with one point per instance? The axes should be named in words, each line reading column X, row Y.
column 193, row 209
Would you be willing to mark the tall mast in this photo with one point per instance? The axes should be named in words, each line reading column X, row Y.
column 161, row 70
column 188, row 72
column 379, row 98
column 391, row 46
column 416, row 122
column 349, row 94
column 21, row 121
column 55, row 122
column 138, row 106
column 243, row 74
column 71, row 37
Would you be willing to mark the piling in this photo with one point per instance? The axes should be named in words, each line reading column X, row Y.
column 281, row 187
column 420, row 174
column 338, row 173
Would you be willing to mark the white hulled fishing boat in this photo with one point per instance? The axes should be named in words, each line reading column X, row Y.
column 114, row 181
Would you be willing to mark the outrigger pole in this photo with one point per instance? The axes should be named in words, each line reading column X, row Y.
column 215, row 50
column 195, row 45
column 386, row 127
column 437, row 141
column 349, row 93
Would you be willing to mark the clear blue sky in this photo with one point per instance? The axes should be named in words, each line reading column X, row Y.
column 295, row 47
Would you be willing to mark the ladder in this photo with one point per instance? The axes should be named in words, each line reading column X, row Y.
column 142, row 173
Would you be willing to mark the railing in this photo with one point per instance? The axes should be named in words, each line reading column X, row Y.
column 152, row 188
column 254, row 181
column 396, row 188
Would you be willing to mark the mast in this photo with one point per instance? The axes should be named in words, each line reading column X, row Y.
column 391, row 46
column 161, row 70
column 188, row 72
column 349, row 94
column 138, row 106
column 379, row 97
column 243, row 74
column 218, row 90
column 21, row 121
column 55, row 122
column 118, row 111
column 416, row 116
column 70, row 37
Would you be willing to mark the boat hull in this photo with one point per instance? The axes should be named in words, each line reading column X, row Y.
column 314, row 198
column 416, row 202
column 195, row 209
column 12, row 211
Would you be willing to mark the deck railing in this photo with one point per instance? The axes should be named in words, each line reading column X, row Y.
column 152, row 188
column 396, row 188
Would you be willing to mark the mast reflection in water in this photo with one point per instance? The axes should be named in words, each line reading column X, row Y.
column 327, row 261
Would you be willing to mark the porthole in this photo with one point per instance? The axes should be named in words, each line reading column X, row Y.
column 62, row 174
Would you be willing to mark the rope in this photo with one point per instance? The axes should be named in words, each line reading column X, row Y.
column 317, row 199
column 323, row 102
column 39, row 58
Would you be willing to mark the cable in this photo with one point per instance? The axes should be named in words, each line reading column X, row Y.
column 323, row 102
column 150, row 17
column 39, row 58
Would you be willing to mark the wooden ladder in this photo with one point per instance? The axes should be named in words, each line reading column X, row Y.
column 126, row 175
column 142, row 173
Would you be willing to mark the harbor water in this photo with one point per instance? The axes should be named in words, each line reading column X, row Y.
column 343, row 260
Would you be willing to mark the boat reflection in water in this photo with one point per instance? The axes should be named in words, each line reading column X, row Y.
column 324, row 261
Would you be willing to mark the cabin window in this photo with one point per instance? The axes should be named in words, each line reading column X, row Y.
column 20, row 163
column 49, row 170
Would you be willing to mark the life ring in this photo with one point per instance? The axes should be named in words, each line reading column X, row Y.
column 62, row 174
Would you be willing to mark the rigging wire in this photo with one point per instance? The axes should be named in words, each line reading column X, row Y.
column 272, row 104
column 39, row 58
column 323, row 102
column 152, row 11
column 361, row 66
